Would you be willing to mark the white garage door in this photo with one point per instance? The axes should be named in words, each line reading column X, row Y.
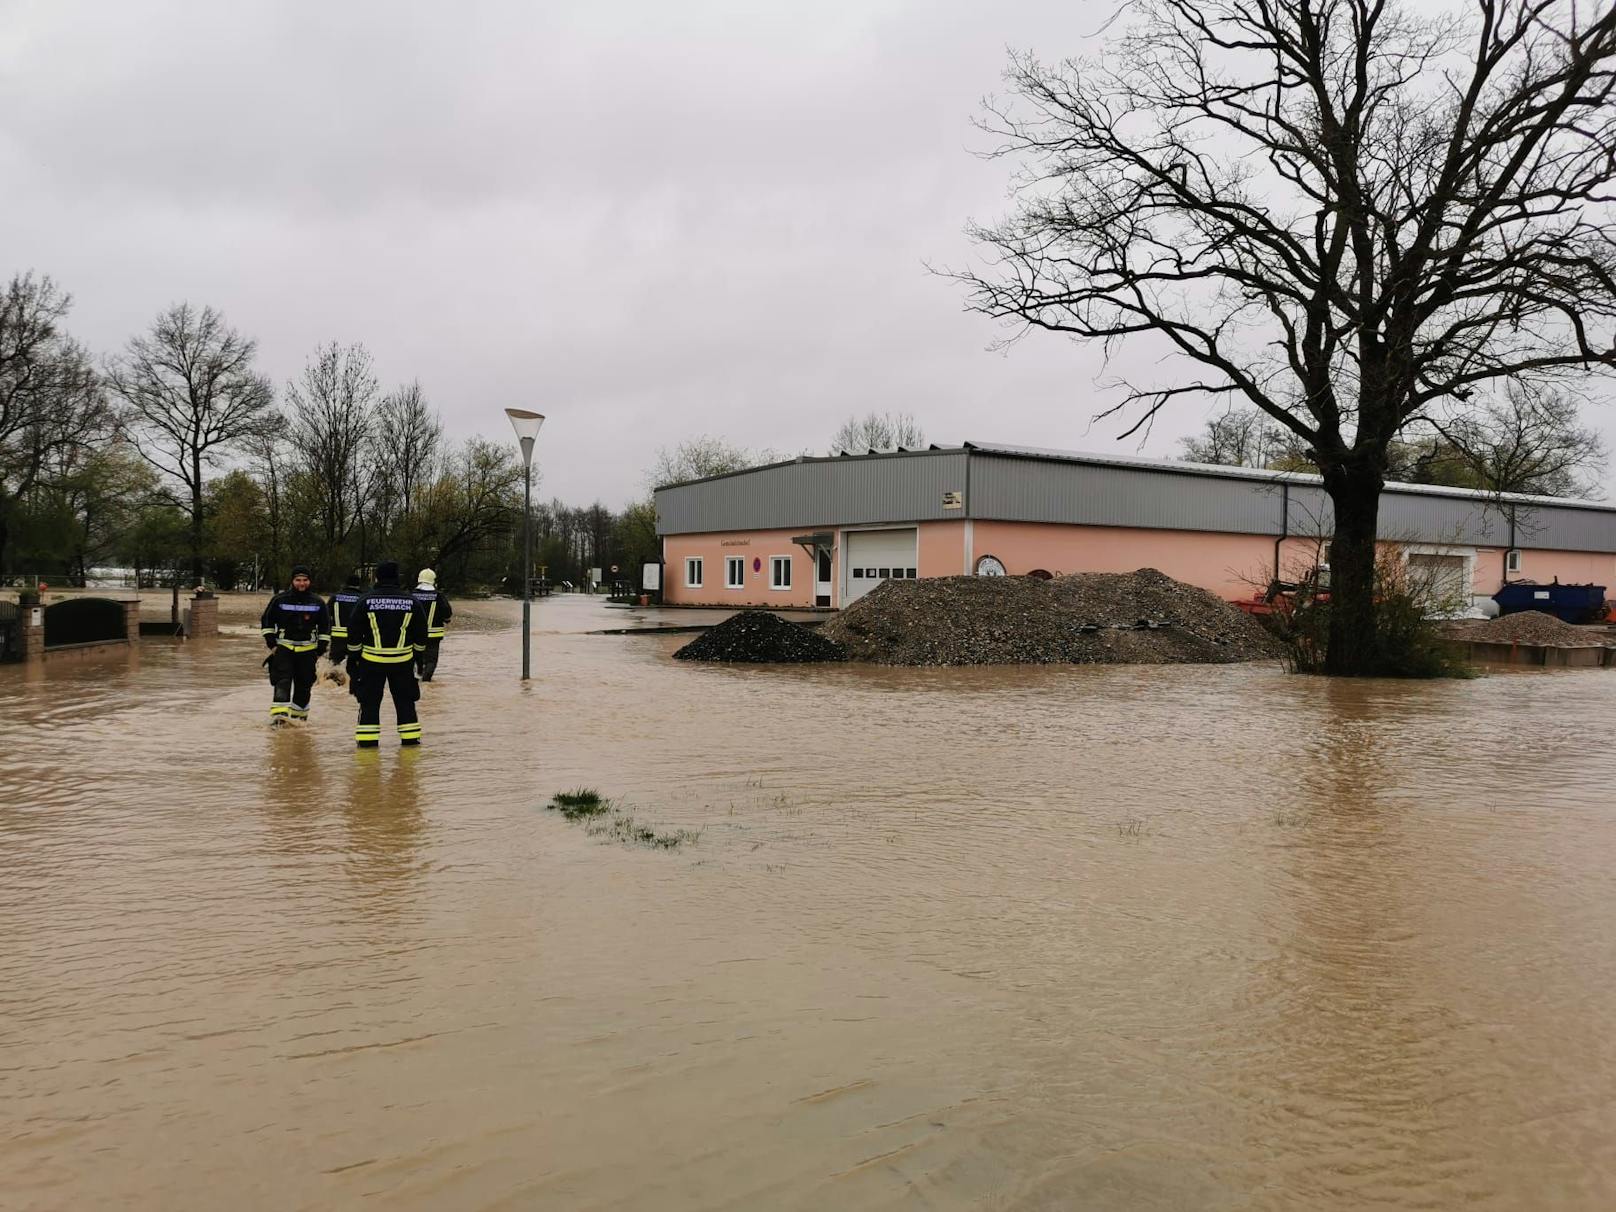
column 1440, row 581
column 872, row 556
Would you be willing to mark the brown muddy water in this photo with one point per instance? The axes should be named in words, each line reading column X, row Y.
column 1198, row 938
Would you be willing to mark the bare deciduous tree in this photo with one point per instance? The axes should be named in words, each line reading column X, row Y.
column 193, row 395
column 51, row 400
column 701, row 457
column 267, row 450
column 332, row 417
column 1337, row 212
column 475, row 498
column 1244, row 437
column 1529, row 441
column 406, row 453
column 876, row 431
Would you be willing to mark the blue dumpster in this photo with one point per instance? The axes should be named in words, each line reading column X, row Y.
column 1571, row 603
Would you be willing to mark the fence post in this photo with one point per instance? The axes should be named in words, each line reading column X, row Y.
column 203, row 615
column 30, row 626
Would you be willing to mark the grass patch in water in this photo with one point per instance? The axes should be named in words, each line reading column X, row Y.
column 620, row 827
column 607, row 819
column 579, row 803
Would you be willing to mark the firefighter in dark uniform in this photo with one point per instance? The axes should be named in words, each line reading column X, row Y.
column 296, row 629
column 438, row 614
column 386, row 635
column 341, row 607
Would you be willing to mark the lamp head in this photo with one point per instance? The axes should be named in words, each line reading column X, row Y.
column 527, row 426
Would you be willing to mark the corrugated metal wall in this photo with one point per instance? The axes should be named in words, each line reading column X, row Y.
column 829, row 492
column 1037, row 490
column 911, row 487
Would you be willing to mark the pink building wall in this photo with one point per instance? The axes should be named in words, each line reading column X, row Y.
column 1231, row 565
column 1571, row 567
column 940, row 549
column 756, row 548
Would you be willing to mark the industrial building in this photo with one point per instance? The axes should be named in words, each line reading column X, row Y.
column 825, row 531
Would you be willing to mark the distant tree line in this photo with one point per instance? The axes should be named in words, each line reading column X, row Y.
column 1527, row 440
column 176, row 458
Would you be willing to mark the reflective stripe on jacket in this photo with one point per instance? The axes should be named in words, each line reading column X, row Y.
column 438, row 612
column 388, row 626
column 341, row 607
column 295, row 621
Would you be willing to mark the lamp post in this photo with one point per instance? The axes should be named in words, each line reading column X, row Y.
column 526, row 425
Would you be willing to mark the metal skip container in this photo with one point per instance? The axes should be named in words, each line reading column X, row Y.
column 1569, row 603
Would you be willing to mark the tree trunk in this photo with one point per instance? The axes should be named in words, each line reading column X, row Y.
column 1354, row 642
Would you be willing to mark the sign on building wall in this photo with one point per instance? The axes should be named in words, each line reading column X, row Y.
column 953, row 500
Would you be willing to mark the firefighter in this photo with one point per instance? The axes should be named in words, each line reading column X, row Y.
column 341, row 607
column 386, row 635
column 438, row 614
column 296, row 630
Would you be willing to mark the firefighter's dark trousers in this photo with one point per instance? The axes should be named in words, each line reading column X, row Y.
column 371, row 678
column 429, row 660
column 292, row 674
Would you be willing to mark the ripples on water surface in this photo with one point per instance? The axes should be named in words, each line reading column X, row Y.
column 996, row 938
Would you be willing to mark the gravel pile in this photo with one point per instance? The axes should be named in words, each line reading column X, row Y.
column 1529, row 627
column 754, row 635
column 1143, row 617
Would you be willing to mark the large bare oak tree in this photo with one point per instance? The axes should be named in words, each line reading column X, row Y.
column 193, row 396
column 1336, row 211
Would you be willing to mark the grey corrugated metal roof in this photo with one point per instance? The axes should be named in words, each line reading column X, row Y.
column 804, row 459
column 1273, row 477
column 1033, row 484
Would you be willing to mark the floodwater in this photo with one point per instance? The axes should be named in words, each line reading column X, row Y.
column 1015, row 938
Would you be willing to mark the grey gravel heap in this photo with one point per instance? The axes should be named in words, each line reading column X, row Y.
column 1142, row 617
column 1529, row 627
column 759, row 637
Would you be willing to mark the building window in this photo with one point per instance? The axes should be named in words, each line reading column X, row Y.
column 780, row 572
column 734, row 573
column 693, row 572
column 1512, row 561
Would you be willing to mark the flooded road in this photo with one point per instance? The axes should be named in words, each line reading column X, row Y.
column 1013, row 938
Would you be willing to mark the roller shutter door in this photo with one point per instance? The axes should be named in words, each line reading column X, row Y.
column 872, row 556
column 1440, row 580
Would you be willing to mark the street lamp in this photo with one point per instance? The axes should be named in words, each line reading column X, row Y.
column 526, row 425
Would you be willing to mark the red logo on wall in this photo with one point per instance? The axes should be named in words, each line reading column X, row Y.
column 757, row 563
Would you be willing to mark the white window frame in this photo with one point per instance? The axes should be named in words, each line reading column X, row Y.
column 775, row 563
column 1512, row 562
column 734, row 562
column 697, row 565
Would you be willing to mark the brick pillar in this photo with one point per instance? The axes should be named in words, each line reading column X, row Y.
column 204, row 616
column 131, row 620
column 31, row 624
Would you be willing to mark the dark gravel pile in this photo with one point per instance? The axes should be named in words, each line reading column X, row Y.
column 1142, row 617
column 1528, row 627
column 754, row 635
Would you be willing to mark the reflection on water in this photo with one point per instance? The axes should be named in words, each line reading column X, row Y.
column 988, row 938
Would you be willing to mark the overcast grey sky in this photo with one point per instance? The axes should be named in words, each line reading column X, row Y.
column 646, row 219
